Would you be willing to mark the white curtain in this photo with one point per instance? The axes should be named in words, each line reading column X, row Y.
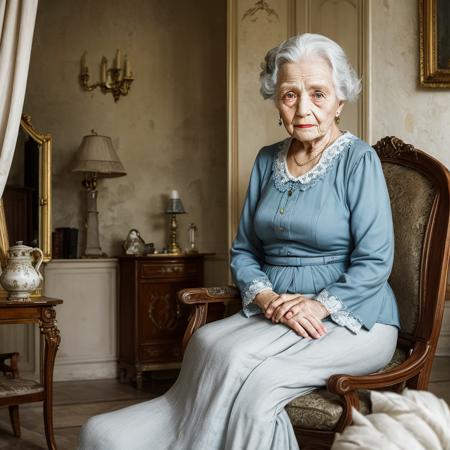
column 17, row 18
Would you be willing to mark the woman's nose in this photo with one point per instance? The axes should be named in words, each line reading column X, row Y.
column 303, row 106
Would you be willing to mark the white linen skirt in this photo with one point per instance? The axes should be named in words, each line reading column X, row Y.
column 237, row 376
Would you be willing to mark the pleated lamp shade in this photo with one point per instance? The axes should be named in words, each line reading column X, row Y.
column 175, row 206
column 97, row 155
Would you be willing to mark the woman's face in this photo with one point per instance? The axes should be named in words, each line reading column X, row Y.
column 306, row 99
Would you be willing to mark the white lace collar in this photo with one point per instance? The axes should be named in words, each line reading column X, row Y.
column 284, row 180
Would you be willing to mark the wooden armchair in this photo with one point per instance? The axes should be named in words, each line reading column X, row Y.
column 10, row 372
column 15, row 390
column 419, row 189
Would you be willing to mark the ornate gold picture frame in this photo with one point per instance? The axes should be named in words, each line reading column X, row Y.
column 434, row 43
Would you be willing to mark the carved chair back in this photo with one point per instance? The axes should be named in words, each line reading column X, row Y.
column 419, row 193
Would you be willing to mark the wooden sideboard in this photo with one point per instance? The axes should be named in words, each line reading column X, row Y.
column 151, row 320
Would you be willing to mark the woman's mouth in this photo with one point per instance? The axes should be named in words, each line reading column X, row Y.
column 306, row 125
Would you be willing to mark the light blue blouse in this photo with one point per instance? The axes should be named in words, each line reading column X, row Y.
column 326, row 234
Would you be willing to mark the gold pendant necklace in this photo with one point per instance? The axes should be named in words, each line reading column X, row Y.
column 309, row 160
column 317, row 154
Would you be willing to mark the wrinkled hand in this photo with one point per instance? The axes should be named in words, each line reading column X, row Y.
column 284, row 301
column 300, row 313
column 264, row 298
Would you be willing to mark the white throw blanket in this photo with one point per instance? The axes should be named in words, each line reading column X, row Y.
column 415, row 420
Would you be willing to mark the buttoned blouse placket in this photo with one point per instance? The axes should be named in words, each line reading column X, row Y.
column 284, row 214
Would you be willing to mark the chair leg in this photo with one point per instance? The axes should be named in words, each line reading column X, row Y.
column 48, row 425
column 14, row 417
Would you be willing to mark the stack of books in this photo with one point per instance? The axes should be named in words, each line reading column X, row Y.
column 65, row 243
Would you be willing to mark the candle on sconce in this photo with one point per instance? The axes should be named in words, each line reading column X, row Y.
column 103, row 70
column 84, row 68
column 115, row 77
column 174, row 195
column 127, row 69
column 117, row 64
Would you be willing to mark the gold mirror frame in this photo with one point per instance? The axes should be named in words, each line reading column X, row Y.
column 45, row 194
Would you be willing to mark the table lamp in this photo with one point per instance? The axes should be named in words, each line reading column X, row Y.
column 96, row 158
column 174, row 207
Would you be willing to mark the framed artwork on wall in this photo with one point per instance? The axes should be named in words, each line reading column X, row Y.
column 434, row 43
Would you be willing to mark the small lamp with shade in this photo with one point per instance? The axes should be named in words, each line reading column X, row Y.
column 174, row 207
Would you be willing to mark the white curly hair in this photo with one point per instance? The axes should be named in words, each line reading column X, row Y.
column 346, row 82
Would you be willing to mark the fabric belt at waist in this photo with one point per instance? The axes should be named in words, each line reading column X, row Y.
column 303, row 261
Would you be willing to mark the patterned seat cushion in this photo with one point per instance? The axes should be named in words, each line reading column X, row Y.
column 321, row 410
column 18, row 386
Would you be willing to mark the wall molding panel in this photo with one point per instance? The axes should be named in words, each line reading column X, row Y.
column 252, row 122
column 327, row 17
column 233, row 160
column 86, row 319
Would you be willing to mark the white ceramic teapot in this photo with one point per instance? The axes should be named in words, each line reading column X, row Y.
column 21, row 277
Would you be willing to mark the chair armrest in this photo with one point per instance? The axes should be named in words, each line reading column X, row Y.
column 193, row 296
column 200, row 298
column 346, row 386
column 11, row 370
column 342, row 384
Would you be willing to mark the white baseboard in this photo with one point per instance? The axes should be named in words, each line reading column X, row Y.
column 88, row 370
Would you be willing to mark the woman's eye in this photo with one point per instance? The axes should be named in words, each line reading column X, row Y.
column 319, row 95
column 289, row 96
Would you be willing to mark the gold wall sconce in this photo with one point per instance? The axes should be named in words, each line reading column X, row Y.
column 116, row 79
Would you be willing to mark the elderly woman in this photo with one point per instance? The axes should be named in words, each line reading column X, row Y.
column 311, row 258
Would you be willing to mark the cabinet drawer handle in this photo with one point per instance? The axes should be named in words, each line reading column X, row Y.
column 172, row 269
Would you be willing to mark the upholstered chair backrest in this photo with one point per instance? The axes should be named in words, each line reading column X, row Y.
column 415, row 182
column 412, row 196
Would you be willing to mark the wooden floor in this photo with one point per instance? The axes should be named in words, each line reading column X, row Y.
column 75, row 401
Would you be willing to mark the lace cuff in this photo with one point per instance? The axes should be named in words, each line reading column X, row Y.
column 249, row 293
column 338, row 313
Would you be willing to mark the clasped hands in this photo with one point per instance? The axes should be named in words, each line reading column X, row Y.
column 302, row 314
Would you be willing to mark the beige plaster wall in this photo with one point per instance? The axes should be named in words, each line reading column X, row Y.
column 170, row 131
column 400, row 107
